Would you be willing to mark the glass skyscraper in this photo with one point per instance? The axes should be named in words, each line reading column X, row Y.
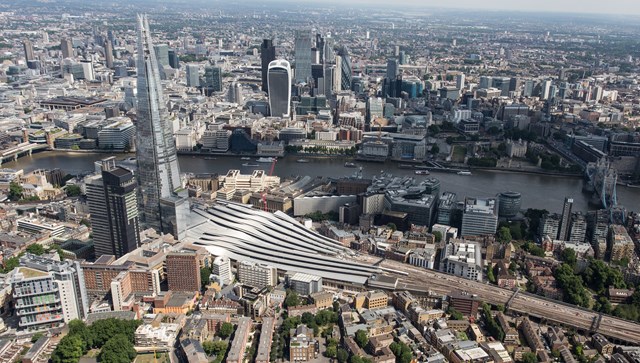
column 267, row 55
column 345, row 69
column 303, row 56
column 279, row 79
column 158, row 172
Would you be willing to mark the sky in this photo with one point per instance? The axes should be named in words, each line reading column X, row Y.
column 625, row 7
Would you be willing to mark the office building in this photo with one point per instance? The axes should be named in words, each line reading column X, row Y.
column 392, row 68
column 183, row 271
column 303, row 56
column 479, row 217
column 114, row 210
column 279, row 80
column 304, row 284
column 545, row 89
column 47, row 292
column 37, row 226
column 267, row 55
column 158, row 172
column 446, row 207
column 565, row 220
column 345, row 69
column 257, row 275
column 460, row 79
column 66, row 46
column 28, row 50
column 213, row 78
column 462, row 259
column 193, row 75
column 117, row 135
column 234, row 93
column 162, row 54
column 108, row 54
column 174, row 60
column 465, row 303
column 509, row 204
column 221, row 269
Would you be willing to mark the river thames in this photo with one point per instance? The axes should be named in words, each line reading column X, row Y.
column 538, row 191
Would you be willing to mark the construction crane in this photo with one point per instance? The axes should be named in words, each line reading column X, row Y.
column 264, row 193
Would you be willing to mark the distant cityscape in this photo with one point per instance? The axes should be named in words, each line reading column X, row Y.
column 399, row 226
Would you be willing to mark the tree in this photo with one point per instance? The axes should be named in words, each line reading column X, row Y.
column 361, row 338
column 292, row 299
column 392, row 226
column 69, row 350
column 73, row 190
column 454, row 314
column 217, row 347
column 118, row 349
column 435, row 149
column 438, row 236
column 15, row 191
column 568, row 255
column 528, row 357
column 342, row 355
column 504, row 235
column 36, row 249
column 490, row 276
column 205, row 276
column 35, row 337
column 226, row 329
column 331, row 352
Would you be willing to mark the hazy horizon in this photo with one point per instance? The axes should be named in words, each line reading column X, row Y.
column 614, row 7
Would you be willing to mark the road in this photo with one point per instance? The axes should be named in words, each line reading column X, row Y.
column 569, row 315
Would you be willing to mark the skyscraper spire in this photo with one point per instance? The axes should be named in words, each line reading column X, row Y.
column 158, row 172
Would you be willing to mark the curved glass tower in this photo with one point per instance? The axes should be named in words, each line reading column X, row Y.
column 158, row 173
column 279, row 79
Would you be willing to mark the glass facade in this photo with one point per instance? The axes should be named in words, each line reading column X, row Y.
column 158, row 172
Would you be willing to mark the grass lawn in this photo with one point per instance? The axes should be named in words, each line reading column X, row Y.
column 458, row 154
column 148, row 358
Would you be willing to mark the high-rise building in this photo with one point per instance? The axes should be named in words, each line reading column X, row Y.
column 183, row 271
column 565, row 220
column 162, row 54
column 337, row 75
column 213, row 78
column 279, row 79
column 158, row 172
column 114, row 210
column 480, row 217
column 174, row 60
column 28, row 50
column 392, row 68
column 48, row 292
column 234, row 94
column 108, row 54
column 545, row 89
column 303, row 56
column 329, row 56
column 345, row 69
column 267, row 55
column 193, row 75
column 460, row 81
column 66, row 46
column 257, row 275
column 221, row 268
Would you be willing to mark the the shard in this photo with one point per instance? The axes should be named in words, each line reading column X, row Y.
column 158, row 172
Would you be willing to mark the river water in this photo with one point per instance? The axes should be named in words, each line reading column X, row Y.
column 538, row 191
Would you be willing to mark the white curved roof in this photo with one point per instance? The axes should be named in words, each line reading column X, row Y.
column 243, row 233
